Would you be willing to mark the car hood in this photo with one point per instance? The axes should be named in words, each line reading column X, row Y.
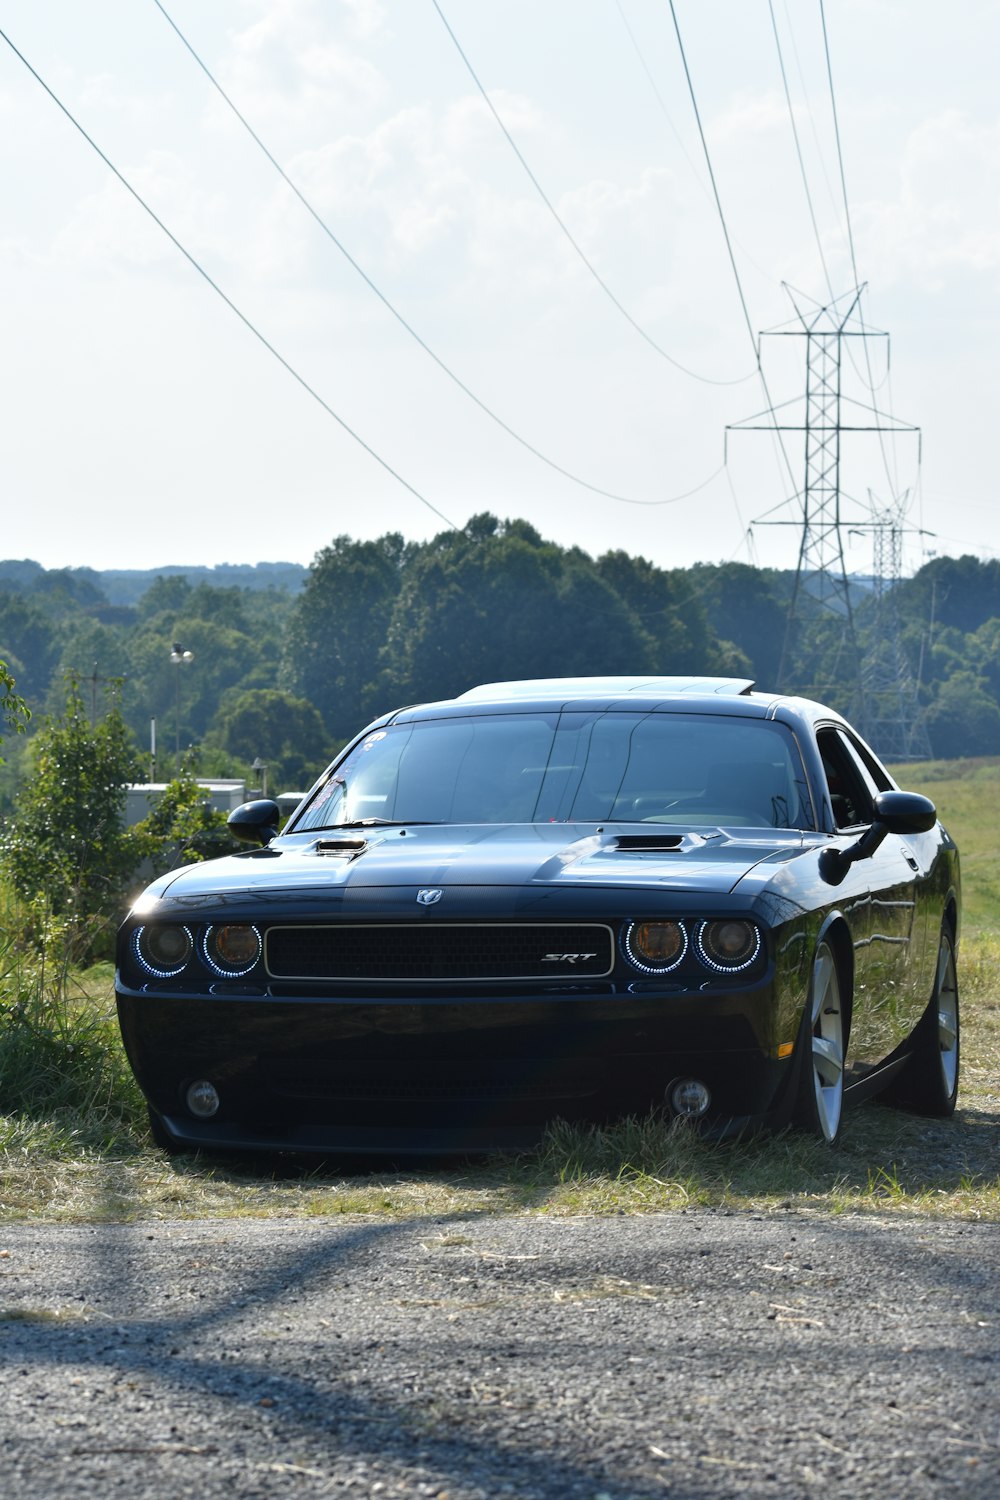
column 711, row 860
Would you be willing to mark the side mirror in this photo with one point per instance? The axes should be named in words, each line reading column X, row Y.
column 905, row 812
column 255, row 822
column 895, row 812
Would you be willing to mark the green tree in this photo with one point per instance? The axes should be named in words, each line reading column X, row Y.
column 182, row 828
column 963, row 592
column 338, row 625
column 14, row 712
column 496, row 601
column 68, row 853
column 68, row 842
column 167, row 595
column 984, row 653
column 283, row 730
column 28, row 634
column 964, row 719
column 666, row 610
column 748, row 607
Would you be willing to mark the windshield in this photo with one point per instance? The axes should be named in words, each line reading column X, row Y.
column 571, row 766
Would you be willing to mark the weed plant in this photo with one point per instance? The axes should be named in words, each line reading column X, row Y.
column 65, row 1084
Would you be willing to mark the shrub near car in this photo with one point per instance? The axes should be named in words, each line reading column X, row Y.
column 576, row 899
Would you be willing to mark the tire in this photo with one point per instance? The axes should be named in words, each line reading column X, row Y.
column 161, row 1135
column 819, row 1102
column 929, row 1084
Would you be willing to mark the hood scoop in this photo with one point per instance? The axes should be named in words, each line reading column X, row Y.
column 634, row 842
column 340, row 848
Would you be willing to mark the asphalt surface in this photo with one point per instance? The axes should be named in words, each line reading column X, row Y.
column 690, row 1355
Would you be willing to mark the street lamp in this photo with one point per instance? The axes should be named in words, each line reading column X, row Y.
column 178, row 655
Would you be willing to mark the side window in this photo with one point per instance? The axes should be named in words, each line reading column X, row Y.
column 875, row 775
column 848, row 782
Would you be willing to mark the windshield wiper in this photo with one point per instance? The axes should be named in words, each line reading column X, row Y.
column 377, row 823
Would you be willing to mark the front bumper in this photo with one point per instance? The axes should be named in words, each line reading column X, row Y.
column 430, row 1074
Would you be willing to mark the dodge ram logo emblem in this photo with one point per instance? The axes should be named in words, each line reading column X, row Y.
column 429, row 896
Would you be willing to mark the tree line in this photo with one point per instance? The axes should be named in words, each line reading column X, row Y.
column 284, row 677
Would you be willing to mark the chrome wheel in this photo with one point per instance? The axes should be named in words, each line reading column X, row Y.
column 821, row 1083
column 946, row 994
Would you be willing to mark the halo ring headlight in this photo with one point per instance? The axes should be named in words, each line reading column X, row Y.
column 231, row 949
column 162, row 950
column 728, row 946
column 655, row 947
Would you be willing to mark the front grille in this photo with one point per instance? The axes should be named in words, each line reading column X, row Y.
column 425, row 951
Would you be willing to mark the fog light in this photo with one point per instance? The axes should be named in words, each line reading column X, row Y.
column 689, row 1096
column 202, row 1099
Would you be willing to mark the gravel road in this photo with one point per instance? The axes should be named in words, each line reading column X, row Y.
column 689, row 1355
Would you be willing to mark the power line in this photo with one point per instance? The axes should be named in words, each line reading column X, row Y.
column 798, row 152
column 702, row 185
column 840, row 154
column 776, row 433
column 729, row 246
column 587, row 262
column 227, row 300
column 893, row 478
column 820, row 155
column 390, row 307
column 715, row 186
column 659, row 97
column 873, row 385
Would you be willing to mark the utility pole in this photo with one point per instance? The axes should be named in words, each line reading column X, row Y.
column 821, row 572
column 95, row 679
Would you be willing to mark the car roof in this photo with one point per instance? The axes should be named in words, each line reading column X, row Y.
column 713, row 695
column 599, row 687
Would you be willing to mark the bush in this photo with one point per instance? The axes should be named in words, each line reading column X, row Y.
column 68, row 842
column 68, row 854
column 61, row 1057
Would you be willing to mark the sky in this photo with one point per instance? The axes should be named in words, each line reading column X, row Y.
column 594, row 310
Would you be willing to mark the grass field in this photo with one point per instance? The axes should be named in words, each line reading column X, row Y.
column 74, row 1144
column 967, row 794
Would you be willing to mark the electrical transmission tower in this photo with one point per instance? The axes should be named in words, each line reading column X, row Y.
column 893, row 721
column 821, row 573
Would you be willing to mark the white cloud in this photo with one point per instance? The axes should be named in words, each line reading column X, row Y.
column 366, row 107
column 944, row 219
column 366, row 18
column 748, row 115
column 101, row 93
column 108, row 227
column 287, row 75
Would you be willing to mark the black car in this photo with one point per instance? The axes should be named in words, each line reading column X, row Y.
column 580, row 898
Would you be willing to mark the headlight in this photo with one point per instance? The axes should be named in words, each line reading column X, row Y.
column 231, row 950
column 728, row 946
column 655, row 947
column 162, row 951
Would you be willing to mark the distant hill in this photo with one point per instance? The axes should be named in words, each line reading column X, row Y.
column 127, row 585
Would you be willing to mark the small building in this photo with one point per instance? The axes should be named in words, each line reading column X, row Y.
column 288, row 802
column 222, row 794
